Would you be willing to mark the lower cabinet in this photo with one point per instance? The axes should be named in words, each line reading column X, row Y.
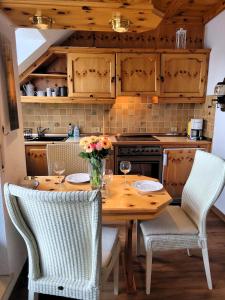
column 177, row 164
column 36, row 160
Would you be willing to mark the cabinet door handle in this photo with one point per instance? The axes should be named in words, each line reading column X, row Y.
column 113, row 79
column 162, row 78
column 165, row 159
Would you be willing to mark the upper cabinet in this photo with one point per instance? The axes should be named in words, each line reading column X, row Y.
column 137, row 74
column 183, row 74
column 91, row 75
column 97, row 76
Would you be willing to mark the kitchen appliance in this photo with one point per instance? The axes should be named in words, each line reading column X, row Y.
column 136, row 137
column 29, row 89
column 145, row 159
column 219, row 91
column 195, row 128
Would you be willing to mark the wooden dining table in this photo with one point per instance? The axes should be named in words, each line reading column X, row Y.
column 120, row 202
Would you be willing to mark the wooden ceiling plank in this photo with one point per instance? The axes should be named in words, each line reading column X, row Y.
column 83, row 17
column 47, row 4
column 214, row 11
column 173, row 7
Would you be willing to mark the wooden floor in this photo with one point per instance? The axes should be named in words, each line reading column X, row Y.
column 175, row 275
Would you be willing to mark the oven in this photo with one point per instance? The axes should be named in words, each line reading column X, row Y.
column 145, row 159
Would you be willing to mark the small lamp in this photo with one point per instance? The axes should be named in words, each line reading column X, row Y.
column 41, row 22
column 120, row 25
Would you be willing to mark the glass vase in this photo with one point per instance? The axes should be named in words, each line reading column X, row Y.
column 96, row 172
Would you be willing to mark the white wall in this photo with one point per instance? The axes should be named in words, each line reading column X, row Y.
column 50, row 37
column 214, row 39
column 12, row 144
column 28, row 40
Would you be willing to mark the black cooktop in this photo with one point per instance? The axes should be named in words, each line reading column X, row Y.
column 136, row 137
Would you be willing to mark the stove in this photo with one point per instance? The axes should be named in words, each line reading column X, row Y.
column 135, row 137
column 146, row 159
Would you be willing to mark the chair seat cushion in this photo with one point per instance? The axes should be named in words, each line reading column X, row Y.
column 110, row 238
column 172, row 221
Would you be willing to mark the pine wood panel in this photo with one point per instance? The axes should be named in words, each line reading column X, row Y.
column 179, row 69
column 36, row 160
column 63, row 100
column 138, row 74
column 91, row 75
column 88, row 15
column 177, row 169
column 54, row 76
column 162, row 37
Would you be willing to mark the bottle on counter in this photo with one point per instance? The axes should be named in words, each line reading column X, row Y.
column 76, row 132
column 70, row 130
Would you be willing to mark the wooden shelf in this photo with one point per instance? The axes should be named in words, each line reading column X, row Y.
column 45, row 75
column 63, row 100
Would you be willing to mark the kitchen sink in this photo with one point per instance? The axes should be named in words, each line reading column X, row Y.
column 49, row 139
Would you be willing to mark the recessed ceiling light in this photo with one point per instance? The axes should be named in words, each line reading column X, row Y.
column 41, row 22
column 120, row 25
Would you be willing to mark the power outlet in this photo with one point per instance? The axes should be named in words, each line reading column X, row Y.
column 96, row 129
column 174, row 129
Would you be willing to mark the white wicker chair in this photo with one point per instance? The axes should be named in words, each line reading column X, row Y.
column 69, row 152
column 185, row 227
column 62, row 232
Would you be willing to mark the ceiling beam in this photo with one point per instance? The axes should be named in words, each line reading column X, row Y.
column 173, row 7
column 214, row 11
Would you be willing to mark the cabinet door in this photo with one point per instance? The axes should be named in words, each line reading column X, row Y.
column 137, row 74
column 183, row 75
column 36, row 161
column 91, row 75
column 177, row 164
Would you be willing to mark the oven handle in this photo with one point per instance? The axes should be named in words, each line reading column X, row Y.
column 165, row 159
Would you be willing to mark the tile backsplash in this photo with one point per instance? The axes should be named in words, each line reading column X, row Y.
column 128, row 114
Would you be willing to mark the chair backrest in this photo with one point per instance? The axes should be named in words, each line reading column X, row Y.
column 203, row 187
column 69, row 152
column 62, row 231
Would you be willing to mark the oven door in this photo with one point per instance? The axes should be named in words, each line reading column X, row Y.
column 150, row 166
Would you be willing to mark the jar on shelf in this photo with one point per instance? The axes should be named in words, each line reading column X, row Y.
column 181, row 38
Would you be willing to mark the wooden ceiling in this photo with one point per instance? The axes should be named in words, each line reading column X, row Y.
column 93, row 15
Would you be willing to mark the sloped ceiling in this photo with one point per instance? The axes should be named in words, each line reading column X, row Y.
column 32, row 43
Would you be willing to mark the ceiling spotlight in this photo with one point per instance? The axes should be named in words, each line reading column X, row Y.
column 120, row 25
column 41, row 22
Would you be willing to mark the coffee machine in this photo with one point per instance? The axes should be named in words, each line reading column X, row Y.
column 195, row 128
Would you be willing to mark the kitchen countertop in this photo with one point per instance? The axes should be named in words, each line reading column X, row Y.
column 162, row 140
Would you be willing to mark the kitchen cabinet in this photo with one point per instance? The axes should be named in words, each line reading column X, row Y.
column 91, row 75
column 97, row 76
column 36, row 160
column 177, row 164
column 183, row 74
column 137, row 74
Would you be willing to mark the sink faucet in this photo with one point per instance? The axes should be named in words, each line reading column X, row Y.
column 41, row 131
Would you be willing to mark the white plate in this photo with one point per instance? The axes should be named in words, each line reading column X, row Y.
column 147, row 186
column 78, row 178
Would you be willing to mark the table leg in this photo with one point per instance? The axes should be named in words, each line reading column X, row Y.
column 129, row 272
